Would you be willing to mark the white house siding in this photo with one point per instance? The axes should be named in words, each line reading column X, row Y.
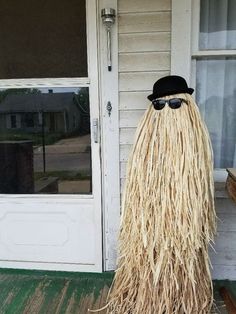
column 144, row 56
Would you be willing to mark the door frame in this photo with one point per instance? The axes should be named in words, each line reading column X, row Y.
column 109, row 138
column 93, row 83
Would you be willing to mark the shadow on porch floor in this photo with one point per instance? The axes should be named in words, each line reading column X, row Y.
column 41, row 292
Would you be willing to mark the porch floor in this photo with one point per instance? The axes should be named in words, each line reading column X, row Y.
column 41, row 292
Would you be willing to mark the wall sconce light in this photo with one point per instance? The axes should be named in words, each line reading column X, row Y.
column 108, row 18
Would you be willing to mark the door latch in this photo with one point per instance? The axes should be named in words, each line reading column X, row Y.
column 95, row 130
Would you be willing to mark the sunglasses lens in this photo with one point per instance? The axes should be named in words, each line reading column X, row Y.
column 158, row 104
column 175, row 103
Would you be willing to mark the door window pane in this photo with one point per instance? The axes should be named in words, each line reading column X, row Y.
column 217, row 24
column 45, row 144
column 216, row 96
column 40, row 39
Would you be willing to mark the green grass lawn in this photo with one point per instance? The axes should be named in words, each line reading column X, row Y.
column 64, row 175
column 36, row 138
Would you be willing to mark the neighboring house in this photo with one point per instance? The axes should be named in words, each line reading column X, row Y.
column 150, row 39
column 24, row 113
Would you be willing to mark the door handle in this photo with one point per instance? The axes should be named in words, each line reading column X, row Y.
column 95, row 130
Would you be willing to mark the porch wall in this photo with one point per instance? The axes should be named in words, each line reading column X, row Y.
column 144, row 56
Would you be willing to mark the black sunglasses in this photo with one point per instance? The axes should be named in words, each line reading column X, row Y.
column 173, row 103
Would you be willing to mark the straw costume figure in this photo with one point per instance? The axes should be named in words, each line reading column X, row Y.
column 168, row 215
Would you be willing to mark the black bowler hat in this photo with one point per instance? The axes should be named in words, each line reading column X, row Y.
column 170, row 85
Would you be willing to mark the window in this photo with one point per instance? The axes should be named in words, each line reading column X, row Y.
column 45, row 113
column 43, row 39
column 13, row 121
column 54, row 141
column 205, row 53
column 216, row 76
column 29, row 120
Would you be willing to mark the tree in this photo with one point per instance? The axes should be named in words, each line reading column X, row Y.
column 16, row 91
column 81, row 99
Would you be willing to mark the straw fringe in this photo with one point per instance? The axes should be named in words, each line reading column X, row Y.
column 168, row 217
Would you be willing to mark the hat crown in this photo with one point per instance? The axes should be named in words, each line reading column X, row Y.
column 169, row 81
column 170, row 85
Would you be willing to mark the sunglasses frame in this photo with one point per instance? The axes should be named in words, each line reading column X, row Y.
column 168, row 102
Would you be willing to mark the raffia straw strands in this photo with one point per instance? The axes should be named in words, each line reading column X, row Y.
column 168, row 217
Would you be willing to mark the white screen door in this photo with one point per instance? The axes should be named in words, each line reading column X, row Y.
column 50, row 179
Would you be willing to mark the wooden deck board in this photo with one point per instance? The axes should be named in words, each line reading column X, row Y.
column 35, row 292
column 46, row 294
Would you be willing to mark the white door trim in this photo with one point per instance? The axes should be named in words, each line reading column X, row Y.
column 180, row 38
column 44, row 82
column 110, row 139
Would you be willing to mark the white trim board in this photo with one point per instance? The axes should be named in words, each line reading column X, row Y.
column 180, row 38
column 110, row 139
column 45, row 82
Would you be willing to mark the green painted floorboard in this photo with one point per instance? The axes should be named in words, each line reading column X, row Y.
column 48, row 292
column 42, row 292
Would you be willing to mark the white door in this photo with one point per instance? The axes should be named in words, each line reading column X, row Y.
column 50, row 179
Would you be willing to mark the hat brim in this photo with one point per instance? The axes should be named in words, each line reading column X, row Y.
column 172, row 92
